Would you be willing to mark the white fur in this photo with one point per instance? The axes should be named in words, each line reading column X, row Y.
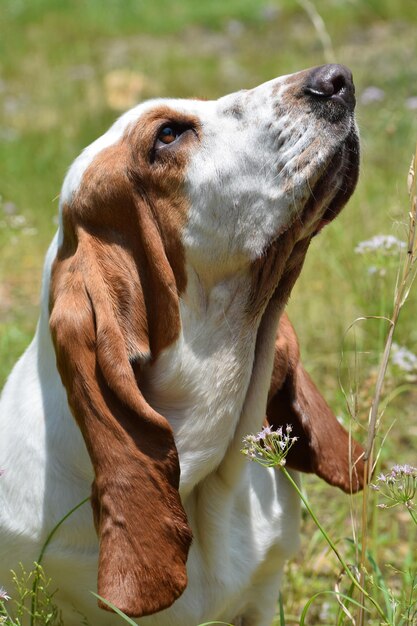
column 209, row 385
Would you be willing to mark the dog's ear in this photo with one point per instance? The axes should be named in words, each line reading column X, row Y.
column 113, row 307
column 323, row 446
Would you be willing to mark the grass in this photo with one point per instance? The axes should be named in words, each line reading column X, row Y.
column 69, row 67
column 61, row 61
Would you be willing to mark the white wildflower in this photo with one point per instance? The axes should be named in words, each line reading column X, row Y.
column 385, row 244
column 17, row 221
column 403, row 358
column 29, row 231
column 372, row 94
column 3, row 594
column 411, row 103
column 373, row 270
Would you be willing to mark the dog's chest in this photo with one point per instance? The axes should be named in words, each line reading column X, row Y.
column 200, row 383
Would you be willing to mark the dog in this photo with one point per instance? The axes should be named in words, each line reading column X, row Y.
column 162, row 342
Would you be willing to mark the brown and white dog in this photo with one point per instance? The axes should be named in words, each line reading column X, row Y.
column 182, row 232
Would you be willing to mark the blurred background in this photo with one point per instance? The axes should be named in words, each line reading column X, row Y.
column 68, row 68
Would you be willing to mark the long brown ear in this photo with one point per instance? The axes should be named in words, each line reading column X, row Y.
column 109, row 280
column 323, row 447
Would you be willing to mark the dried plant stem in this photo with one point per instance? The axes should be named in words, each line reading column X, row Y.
column 346, row 569
column 402, row 290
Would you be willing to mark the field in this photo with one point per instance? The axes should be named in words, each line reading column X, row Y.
column 70, row 67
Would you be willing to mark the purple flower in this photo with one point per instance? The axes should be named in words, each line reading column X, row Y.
column 404, row 470
column 262, row 435
column 399, row 486
column 269, row 447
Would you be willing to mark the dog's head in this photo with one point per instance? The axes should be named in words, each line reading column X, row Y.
column 240, row 184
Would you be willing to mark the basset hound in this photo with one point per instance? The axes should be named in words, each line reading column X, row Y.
column 162, row 342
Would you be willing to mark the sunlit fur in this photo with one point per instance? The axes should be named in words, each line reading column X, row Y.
column 248, row 178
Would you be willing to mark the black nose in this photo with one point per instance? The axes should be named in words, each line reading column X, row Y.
column 332, row 82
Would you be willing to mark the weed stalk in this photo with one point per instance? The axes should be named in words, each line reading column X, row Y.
column 405, row 280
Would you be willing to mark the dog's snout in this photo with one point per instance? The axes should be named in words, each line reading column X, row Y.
column 331, row 82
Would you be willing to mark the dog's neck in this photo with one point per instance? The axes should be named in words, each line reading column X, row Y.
column 212, row 384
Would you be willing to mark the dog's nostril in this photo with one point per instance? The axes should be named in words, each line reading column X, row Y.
column 331, row 82
column 338, row 82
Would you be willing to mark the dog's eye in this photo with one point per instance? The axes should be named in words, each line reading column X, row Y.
column 168, row 134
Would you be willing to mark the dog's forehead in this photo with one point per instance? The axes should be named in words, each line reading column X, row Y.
column 123, row 125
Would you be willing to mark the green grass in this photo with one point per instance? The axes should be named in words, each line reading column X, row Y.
column 56, row 56
column 55, row 59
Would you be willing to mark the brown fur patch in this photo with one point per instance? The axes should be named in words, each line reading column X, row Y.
column 323, row 447
column 114, row 304
column 273, row 275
